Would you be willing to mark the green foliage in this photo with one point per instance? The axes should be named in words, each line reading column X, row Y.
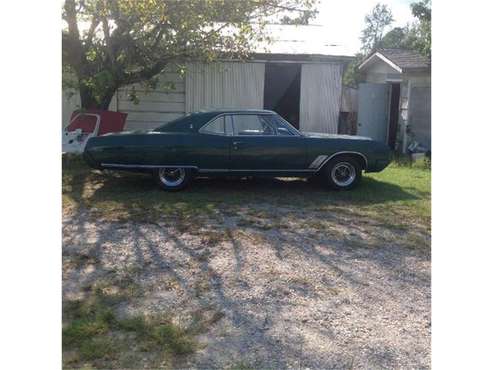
column 420, row 34
column 395, row 38
column 303, row 18
column 109, row 44
column 352, row 75
column 375, row 24
column 416, row 36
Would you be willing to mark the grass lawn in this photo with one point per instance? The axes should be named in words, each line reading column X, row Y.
column 399, row 196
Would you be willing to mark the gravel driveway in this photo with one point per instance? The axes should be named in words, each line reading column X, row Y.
column 284, row 288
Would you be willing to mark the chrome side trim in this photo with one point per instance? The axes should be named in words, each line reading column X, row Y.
column 205, row 170
column 343, row 152
column 211, row 170
column 150, row 166
column 317, row 161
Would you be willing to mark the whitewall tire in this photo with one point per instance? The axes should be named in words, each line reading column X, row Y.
column 342, row 173
column 172, row 178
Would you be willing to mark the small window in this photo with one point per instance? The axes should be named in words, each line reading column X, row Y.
column 251, row 125
column 279, row 126
column 215, row 127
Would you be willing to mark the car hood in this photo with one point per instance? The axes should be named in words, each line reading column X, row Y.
column 333, row 136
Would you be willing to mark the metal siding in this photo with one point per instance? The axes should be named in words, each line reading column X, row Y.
column 70, row 102
column 349, row 101
column 420, row 115
column 373, row 108
column 320, row 100
column 224, row 85
column 156, row 106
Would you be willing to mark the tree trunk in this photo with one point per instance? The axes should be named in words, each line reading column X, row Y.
column 89, row 101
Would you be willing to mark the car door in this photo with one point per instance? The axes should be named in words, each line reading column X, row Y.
column 211, row 147
column 257, row 144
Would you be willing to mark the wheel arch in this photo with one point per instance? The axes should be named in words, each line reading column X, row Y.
column 360, row 157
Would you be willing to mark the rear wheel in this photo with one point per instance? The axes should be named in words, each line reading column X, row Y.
column 173, row 178
column 342, row 173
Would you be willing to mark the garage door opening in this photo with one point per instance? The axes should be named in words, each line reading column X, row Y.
column 282, row 90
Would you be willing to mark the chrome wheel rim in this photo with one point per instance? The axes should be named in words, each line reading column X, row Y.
column 343, row 174
column 172, row 176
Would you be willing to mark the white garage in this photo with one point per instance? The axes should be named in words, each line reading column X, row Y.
column 305, row 89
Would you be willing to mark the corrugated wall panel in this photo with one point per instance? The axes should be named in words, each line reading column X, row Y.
column 70, row 102
column 320, row 100
column 420, row 115
column 155, row 107
column 224, row 85
column 151, row 106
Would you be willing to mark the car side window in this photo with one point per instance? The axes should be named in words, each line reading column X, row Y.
column 229, row 125
column 216, row 127
column 251, row 125
column 279, row 126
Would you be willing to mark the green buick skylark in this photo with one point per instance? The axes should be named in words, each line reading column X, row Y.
column 237, row 143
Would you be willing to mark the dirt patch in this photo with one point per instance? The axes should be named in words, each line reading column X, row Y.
column 274, row 288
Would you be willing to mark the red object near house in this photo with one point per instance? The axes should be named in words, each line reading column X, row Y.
column 109, row 121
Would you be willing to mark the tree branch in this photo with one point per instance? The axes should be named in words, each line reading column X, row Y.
column 109, row 43
column 71, row 18
column 145, row 73
column 73, row 49
column 92, row 29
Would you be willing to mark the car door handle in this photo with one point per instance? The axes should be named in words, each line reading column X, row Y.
column 237, row 144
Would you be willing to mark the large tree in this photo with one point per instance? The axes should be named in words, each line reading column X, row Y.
column 416, row 36
column 108, row 44
column 375, row 24
column 420, row 32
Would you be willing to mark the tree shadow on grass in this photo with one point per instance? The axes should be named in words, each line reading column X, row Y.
column 138, row 191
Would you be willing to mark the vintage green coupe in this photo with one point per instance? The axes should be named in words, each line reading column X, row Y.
column 237, row 142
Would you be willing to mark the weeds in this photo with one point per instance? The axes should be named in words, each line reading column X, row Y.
column 93, row 334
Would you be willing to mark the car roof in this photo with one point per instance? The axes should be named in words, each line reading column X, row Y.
column 235, row 110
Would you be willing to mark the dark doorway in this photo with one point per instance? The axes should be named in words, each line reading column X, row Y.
column 282, row 90
column 395, row 95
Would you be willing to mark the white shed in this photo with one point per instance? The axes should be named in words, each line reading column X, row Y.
column 305, row 89
column 394, row 101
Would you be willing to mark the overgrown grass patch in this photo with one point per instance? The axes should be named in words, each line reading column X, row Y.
column 93, row 334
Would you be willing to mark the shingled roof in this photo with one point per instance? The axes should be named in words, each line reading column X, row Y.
column 401, row 58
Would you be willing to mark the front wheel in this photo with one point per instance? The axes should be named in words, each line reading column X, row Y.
column 342, row 173
column 173, row 178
